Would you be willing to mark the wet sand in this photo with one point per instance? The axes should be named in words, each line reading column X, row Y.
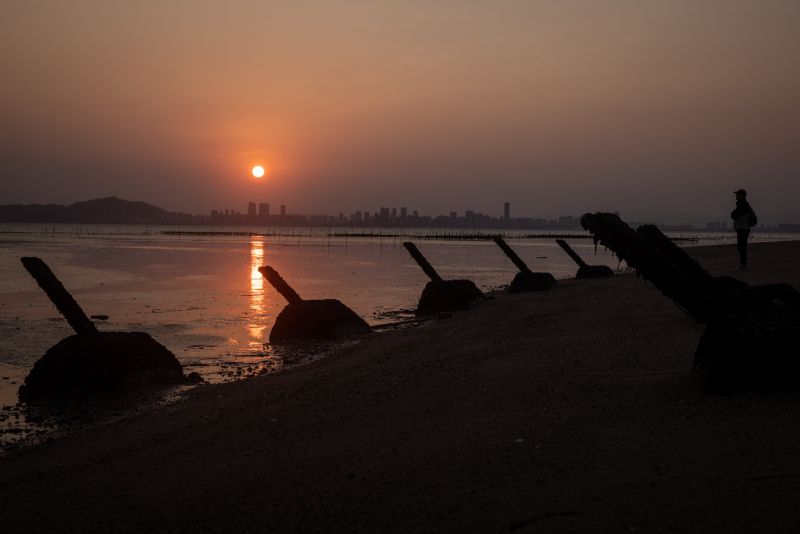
column 567, row 410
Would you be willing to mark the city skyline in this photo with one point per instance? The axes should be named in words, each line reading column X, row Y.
column 260, row 213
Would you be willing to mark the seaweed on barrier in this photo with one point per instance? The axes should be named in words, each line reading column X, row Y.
column 752, row 332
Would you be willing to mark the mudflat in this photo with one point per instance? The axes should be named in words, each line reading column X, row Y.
column 573, row 409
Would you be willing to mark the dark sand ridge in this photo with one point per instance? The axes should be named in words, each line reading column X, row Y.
column 571, row 409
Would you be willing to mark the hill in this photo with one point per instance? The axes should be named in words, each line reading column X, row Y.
column 109, row 210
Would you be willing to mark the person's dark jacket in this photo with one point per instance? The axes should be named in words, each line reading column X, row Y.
column 743, row 215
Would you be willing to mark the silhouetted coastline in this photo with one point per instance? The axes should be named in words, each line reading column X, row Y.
column 110, row 210
column 113, row 210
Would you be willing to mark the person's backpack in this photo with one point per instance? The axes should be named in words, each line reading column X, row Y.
column 753, row 218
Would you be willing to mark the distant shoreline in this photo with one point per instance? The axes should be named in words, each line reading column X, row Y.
column 113, row 210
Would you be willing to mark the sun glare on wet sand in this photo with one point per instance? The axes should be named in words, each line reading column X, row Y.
column 258, row 171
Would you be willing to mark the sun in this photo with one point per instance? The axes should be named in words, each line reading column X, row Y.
column 257, row 171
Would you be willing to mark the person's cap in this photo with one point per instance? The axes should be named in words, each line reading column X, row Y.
column 740, row 192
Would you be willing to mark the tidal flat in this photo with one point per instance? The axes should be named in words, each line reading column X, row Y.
column 573, row 409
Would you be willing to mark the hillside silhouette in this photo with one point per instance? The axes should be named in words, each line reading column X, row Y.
column 109, row 210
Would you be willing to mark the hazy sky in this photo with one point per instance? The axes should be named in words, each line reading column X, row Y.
column 658, row 109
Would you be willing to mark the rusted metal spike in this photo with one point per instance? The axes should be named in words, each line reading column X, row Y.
column 426, row 267
column 59, row 296
column 512, row 255
column 280, row 284
column 572, row 254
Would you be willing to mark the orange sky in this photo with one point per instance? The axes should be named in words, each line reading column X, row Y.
column 656, row 109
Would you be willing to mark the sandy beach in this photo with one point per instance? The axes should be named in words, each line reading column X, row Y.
column 567, row 410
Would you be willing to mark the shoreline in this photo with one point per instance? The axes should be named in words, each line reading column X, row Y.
column 570, row 409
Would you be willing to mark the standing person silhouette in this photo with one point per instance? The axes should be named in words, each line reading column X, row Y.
column 744, row 218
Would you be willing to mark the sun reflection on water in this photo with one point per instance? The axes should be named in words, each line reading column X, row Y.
column 258, row 308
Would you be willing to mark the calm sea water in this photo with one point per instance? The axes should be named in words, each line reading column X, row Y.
column 203, row 297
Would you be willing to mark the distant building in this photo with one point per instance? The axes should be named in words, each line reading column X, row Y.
column 507, row 211
column 263, row 210
column 717, row 226
column 251, row 209
column 283, row 210
column 568, row 221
